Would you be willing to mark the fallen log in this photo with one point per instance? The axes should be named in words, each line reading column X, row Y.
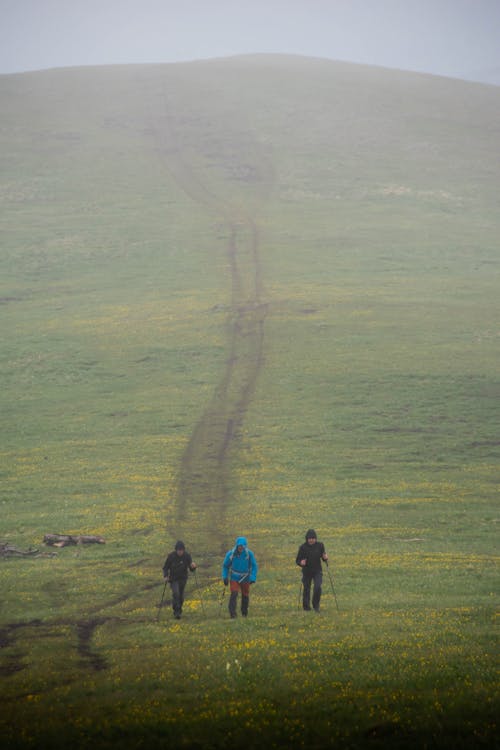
column 64, row 540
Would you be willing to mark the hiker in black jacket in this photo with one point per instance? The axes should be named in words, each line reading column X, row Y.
column 309, row 558
column 175, row 572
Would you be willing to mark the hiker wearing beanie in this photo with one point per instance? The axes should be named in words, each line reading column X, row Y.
column 175, row 572
column 309, row 558
column 239, row 571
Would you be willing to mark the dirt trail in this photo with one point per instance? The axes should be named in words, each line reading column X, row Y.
column 204, row 480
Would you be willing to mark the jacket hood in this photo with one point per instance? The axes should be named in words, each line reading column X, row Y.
column 241, row 540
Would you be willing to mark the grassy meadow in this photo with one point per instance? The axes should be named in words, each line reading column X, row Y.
column 249, row 296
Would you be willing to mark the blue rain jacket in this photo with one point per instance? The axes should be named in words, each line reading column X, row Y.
column 243, row 566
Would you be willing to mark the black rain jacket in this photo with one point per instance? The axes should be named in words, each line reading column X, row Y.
column 312, row 554
column 177, row 567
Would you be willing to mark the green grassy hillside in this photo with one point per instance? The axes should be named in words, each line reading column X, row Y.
column 249, row 296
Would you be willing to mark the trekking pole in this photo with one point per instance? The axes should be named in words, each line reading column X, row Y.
column 161, row 603
column 199, row 590
column 230, row 570
column 221, row 600
column 331, row 582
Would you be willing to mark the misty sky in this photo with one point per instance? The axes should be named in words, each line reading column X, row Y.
column 445, row 37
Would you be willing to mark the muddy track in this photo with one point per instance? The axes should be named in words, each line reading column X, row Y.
column 14, row 636
column 205, row 483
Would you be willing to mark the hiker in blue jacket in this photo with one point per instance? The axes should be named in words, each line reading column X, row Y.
column 239, row 571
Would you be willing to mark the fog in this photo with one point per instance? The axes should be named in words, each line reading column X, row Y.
column 444, row 37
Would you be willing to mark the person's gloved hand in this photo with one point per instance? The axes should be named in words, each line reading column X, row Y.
column 226, row 581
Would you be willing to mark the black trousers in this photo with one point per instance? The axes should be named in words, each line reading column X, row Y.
column 178, row 595
column 307, row 579
column 233, row 599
